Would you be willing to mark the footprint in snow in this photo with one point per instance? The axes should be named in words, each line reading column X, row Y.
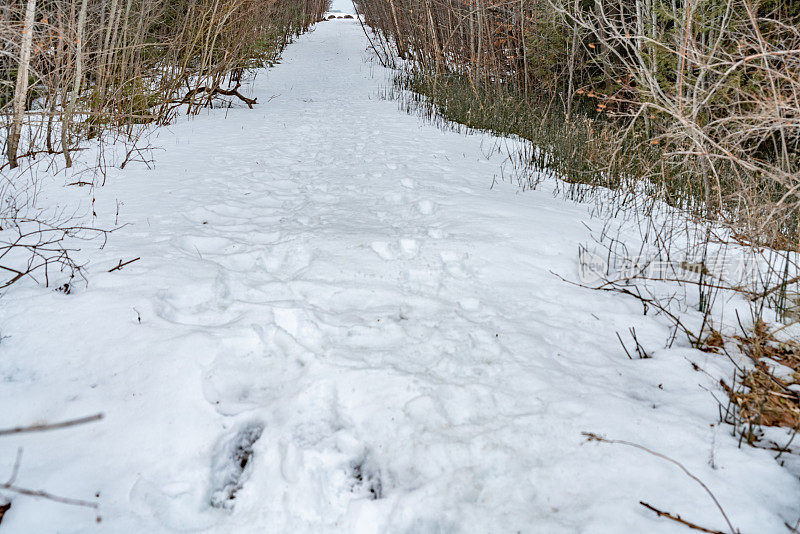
column 395, row 199
column 209, row 304
column 405, row 248
column 286, row 260
column 234, row 384
column 410, row 247
column 436, row 233
column 366, row 480
column 455, row 265
column 383, row 249
column 469, row 304
column 231, row 464
column 426, row 207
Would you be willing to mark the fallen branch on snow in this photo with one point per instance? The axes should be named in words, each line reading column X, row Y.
column 121, row 265
column 9, row 485
column 678, row 519
column 218, row 91
column 591, row 436
column 53, row 426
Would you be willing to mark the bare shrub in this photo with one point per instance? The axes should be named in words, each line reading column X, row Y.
column 73, row 71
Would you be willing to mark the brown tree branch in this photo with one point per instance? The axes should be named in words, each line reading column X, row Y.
column 53, row 426
column 678, row 519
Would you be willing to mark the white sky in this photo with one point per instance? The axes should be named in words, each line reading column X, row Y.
column 345, row 6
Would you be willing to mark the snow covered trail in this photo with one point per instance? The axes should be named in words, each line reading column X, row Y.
column 338, row 325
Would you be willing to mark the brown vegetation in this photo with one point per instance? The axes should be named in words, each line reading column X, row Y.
column 72, row 70
column 78, row 70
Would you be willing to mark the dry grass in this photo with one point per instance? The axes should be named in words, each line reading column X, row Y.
column 762, row 396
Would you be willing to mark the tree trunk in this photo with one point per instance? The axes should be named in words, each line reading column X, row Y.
column 76, row 87
column 21, row 89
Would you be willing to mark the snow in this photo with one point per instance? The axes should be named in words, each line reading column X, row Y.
column 338, row 325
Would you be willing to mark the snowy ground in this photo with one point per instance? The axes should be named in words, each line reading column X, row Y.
column 333, row 286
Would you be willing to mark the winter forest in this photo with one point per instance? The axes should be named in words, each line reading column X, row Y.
column 400, row 266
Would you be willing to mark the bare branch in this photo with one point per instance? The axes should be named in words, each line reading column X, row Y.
column 51, row 426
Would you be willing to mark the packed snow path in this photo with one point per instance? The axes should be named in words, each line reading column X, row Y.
column 338, row 325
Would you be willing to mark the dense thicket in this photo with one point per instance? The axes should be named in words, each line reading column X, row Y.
column 700, row 98
column 72, row 69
